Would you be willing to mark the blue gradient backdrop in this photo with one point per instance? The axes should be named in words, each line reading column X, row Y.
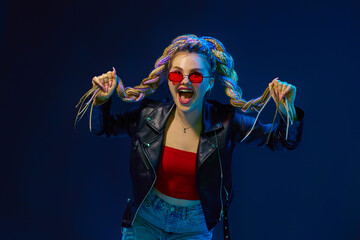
column 61, row 183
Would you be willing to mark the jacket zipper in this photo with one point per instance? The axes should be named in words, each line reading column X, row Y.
column 137, row 210
column 221, row 181
column 227, row 194
column 221, row 184
column 141, row 151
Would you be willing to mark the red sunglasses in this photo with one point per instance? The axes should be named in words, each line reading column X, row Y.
column 195, row 77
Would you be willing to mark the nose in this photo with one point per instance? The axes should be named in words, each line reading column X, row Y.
column 185, row 80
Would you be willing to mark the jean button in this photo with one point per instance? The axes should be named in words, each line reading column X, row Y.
column 172, row 209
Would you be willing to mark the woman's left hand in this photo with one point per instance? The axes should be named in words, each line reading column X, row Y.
column 281, row 90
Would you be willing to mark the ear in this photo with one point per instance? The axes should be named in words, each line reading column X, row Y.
column 211, row 84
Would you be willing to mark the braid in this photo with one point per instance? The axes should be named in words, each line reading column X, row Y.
column 152, row 82
column 229, row 79
column 147, row 86
column 213, row 50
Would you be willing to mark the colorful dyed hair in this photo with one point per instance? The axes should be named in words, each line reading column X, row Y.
column 219, row 59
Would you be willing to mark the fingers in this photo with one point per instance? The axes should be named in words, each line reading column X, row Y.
column 114, row 73
column 106, row 81
column 98, row 81
column 273, row 92
column 280, row 88
column 286, row 89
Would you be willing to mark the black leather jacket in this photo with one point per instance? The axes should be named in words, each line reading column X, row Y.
column 223, row 127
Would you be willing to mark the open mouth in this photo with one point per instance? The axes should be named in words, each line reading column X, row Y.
column 185, row 95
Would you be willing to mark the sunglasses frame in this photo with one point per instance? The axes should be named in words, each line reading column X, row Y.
column 188, row 77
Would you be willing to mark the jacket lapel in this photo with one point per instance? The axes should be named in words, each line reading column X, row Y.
column 208, row 141
column 157, row 121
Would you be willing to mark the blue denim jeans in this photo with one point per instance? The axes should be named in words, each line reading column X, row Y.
column 157, row 219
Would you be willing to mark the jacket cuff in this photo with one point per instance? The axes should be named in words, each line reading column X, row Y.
column 101, row 107
column 99, row 112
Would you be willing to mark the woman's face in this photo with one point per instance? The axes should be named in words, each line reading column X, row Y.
column 189, row 96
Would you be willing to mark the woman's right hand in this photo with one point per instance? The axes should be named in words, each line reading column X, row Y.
column 107, row 83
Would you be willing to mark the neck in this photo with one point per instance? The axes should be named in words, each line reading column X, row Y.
column 189, row 118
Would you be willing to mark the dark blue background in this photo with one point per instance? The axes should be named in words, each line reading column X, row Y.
column 61, row 183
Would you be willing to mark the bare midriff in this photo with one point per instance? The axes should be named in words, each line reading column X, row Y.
column 176, row 201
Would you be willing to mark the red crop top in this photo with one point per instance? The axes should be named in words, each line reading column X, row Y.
column 176, row 174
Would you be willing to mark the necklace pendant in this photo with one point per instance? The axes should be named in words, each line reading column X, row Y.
column 184, row 130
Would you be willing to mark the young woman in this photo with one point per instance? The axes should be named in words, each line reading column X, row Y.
column 182, row 148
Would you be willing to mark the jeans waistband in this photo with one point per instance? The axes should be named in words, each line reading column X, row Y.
column 155, row 200
column 172, row 218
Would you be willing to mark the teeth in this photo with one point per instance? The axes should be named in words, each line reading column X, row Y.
column 185, row 90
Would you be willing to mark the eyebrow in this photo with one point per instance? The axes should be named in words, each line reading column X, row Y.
column 199, row 69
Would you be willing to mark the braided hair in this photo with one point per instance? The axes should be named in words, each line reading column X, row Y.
column 220, row 60
column 214, row 52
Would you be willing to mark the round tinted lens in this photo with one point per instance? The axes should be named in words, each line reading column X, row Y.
column 175, row 76
column 196, row 77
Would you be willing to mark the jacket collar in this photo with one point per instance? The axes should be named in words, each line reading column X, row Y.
column 158, row 117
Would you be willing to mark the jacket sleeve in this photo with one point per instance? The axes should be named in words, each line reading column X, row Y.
column 105, row 123
column 259, row 135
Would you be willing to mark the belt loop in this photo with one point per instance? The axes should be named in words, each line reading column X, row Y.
column 155, row 202
column 183, row 216
column 152, row 196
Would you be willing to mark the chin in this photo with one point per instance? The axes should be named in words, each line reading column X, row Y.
column 182, row 107
column 192, row 105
